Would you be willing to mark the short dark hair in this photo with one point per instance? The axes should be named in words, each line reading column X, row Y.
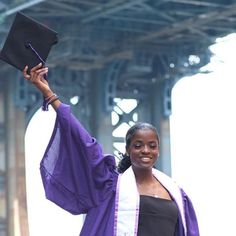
column 125, row 162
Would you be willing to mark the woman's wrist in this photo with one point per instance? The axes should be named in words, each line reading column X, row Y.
column 49, row 100
column 47, row 93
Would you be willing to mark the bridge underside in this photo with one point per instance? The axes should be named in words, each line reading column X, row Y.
column 126, row 49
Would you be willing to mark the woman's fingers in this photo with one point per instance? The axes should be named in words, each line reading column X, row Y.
column 26, row 75
column 38, row 74
column 32, row 71
column 42, row 72
column 37, row 77
column 36, row 67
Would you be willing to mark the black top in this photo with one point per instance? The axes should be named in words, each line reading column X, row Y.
column 157, row 216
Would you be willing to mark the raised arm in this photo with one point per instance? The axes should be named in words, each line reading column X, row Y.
column 75, row 173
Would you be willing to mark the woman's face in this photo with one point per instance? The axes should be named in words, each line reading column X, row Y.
column 143, row 149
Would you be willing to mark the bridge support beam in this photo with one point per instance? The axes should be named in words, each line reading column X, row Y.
column 15, row 187
column 100, row 119
column 160, row 110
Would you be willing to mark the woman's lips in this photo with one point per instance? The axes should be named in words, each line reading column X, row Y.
column 146, row 159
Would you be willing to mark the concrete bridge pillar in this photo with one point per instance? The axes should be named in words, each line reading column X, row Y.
column 12, row 159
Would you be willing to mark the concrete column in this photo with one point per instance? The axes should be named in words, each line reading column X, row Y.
column 161, row 121
column 100, row 119
column 3, row 200
column 15, row 164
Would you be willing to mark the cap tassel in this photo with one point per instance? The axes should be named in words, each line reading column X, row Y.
column 28, row 45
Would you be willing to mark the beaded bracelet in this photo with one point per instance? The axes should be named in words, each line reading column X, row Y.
column 49, row 97
column 53, row 100
column 48, row 100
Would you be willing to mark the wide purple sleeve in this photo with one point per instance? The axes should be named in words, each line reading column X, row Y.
column 190, row 216
column 75, row 173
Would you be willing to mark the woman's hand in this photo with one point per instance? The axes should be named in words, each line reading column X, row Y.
column 37, row 77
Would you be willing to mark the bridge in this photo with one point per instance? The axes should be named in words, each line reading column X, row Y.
column 107, row 50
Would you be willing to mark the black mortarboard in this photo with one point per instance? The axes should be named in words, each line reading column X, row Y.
column 28, row 42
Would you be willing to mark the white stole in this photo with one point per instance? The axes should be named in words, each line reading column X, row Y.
column 127, row 202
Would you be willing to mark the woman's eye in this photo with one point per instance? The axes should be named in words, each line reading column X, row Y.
column 137, row 145
column 153, row 146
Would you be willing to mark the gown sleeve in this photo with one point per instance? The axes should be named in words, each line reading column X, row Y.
column 190, row 216
column 75, row 173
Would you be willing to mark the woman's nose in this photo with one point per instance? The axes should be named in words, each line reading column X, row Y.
column 146, row 149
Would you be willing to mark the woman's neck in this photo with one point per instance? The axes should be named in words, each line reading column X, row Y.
column 143, row 175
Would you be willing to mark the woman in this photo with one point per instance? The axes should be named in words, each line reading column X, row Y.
column 79, row 178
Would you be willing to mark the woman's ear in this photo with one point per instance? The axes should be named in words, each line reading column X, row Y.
column 126, row 151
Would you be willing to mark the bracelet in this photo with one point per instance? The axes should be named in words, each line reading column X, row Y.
column 48, row 98
column 53, row 100
column 46, row 101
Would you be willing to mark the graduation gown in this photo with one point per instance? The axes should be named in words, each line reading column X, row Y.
column 78, row 177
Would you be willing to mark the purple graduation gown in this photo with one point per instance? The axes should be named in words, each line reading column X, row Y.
column 80, row 179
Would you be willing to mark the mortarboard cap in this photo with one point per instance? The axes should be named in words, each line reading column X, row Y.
column 28, row 43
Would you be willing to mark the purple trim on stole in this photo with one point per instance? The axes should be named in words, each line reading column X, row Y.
column 180, row 215
column 127, row 205
column 136, row 219
column 116, row 205
column 116, row 210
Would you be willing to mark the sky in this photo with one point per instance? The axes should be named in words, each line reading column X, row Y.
column 202, row 148
column 203, row 140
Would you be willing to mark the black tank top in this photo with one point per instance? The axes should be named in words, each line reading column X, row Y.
column 157, row 216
